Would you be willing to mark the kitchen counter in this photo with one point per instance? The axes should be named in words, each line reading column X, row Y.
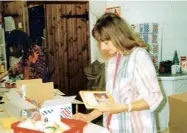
column 169, row 76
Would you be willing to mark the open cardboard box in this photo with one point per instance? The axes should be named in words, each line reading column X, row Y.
column 38, row 96
column 178, row 113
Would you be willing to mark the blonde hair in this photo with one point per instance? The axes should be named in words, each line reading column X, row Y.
column 111, row 27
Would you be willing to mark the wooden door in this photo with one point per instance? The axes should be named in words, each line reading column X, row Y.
column 68, row 45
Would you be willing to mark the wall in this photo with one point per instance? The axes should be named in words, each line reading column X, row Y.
column 169, row 14
column 96, row 9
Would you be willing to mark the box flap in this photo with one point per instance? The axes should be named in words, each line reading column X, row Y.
column 39, row 92
column 19, row 83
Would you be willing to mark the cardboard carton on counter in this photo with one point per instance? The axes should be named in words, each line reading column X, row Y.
column 178, row 113
column 39, row 96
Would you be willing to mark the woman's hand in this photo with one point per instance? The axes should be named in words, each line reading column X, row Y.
column 83, row 117
column 114, row 108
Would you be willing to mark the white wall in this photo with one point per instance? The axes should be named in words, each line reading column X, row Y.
column 169, row 14
column 96, row 9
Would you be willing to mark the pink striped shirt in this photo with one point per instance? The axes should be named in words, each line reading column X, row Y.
column 135, row 79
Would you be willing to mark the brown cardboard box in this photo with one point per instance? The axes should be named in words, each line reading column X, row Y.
column 178, row 113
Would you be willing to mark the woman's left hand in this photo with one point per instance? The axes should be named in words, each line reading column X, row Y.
column 114, row 108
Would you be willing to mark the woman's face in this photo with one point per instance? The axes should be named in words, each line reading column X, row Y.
column 108, row 47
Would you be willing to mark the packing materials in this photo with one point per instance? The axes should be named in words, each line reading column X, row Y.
column 50, row 110
column 178, row 113
column 37, row 96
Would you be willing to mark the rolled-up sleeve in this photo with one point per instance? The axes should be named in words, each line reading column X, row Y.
column 146, row 80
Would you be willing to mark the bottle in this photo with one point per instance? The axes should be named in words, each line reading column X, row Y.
column 175, row 63
column 175, row 59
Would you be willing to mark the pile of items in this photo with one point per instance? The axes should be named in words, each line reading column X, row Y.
column 37, row 107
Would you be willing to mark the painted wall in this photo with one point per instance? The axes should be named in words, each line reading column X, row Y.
column 96, row 9
column 169, row 14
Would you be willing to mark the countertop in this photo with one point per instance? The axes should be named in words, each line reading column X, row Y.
column 169, row 76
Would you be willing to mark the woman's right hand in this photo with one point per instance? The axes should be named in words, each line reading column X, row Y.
column 83, row 117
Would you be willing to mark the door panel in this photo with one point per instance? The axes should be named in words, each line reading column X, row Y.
column 68, row 45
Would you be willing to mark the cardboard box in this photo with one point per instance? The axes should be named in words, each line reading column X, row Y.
column 178, row 113
column 40, row 96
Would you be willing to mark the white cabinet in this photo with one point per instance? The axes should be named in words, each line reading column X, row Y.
column 170, row 84
column 3, row 61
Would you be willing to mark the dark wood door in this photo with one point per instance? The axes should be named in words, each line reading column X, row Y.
column 68, row 45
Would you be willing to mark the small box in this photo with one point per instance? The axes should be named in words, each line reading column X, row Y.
column 57, row 108
column 56, row 112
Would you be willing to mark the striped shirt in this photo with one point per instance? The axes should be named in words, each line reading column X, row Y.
column 135, row 79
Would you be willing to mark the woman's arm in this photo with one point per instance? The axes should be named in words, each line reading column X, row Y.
column 95, row 114
column 118, row 108
column 147, row 82
column 88, row 117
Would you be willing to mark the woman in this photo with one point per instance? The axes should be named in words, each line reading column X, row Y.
column 33, row 63
column 130, row 78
